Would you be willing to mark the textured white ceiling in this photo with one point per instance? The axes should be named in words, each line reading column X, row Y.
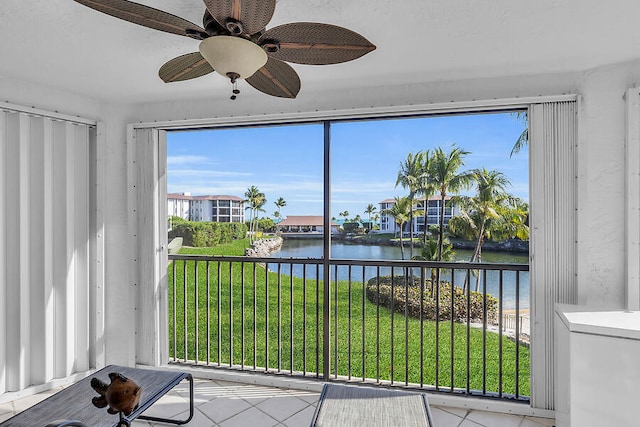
column 62, row 44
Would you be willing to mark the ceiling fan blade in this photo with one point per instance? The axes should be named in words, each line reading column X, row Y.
column 276, row 78
column 316, row 44
column 254, row 15
column 146, row 16
column 185, row 67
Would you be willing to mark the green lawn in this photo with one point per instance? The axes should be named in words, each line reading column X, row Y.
column 281, row 335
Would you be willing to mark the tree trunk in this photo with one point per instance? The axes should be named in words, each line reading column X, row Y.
column 441, row 236
column 478, row 251
column 411, row 229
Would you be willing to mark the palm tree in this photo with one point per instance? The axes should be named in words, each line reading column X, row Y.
column 515, row 215
column 429, row 252
column 410, row 177
column 400, row 211
column 370, row 210
column 523, row 139
column 489, row 214
column 426, row 189
column 255, row 200
column 280, row 203
column 445, row 177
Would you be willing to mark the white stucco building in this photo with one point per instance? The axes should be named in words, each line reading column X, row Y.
column 218, row 208
column 432, row 214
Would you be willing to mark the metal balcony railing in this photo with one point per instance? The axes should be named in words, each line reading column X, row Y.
column 386, row 322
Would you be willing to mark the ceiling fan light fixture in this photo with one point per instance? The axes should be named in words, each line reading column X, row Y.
column 233, row 55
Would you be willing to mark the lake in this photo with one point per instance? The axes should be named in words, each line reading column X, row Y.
column 312, row 248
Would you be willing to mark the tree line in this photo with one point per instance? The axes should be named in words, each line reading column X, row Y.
column 255, row 200
column 491, row 213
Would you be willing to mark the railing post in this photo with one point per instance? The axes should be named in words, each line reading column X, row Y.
column 327, row 253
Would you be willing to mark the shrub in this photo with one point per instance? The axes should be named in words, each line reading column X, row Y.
column 208, row 234
column 177, row 220
column 411, row 296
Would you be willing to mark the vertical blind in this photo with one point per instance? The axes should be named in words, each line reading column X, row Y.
column 632, row 199
column 552, row 147
column 45, row 239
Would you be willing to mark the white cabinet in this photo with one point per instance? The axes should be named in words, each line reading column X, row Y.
column 597, row 367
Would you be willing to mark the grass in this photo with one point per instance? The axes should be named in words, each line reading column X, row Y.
column 273, row 322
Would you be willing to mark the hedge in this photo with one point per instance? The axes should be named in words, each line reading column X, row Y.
column 400, row 291
column 208, row 234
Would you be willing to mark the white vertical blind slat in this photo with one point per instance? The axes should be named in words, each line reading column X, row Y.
column 11, row 218
column 632, row 199
column 3, row 251
column 34, row 260
column 70, row 318
column 49, row 254
column 81, row 245
column 61, row 263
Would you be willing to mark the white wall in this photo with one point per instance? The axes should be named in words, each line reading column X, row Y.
column 601, row 185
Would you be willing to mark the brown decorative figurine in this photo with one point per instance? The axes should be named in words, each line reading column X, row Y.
column 122, row 395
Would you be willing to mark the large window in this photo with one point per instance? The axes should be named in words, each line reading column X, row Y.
column 386, row 190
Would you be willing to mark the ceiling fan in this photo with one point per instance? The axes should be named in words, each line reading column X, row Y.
column 236, row 44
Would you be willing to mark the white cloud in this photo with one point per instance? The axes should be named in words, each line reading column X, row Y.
column 187, row 160
column 380, row 187
column 199, row 175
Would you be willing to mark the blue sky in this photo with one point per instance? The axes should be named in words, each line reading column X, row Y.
column 286, row 161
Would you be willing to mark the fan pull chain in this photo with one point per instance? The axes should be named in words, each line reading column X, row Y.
column 234, row 82
column 236, row 91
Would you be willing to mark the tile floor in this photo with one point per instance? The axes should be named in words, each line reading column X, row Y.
column 228, row 404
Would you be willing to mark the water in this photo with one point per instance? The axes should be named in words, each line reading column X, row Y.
column 312, row 248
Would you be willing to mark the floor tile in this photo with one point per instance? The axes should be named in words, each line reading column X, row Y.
column 27, row 402
column 467, row 423
column 302, row 418
column 141, row 423
column 492, row 419
column 442, row 418
column 198, row 420
column 203, row 391
column 531, row 422
column 250, row 417
column 455, row 411
column 6, row 407
column 308, row 396
column 221, row 409
column 548, row 422
column 255, row 394
column 168, row 406
column 282, row 407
